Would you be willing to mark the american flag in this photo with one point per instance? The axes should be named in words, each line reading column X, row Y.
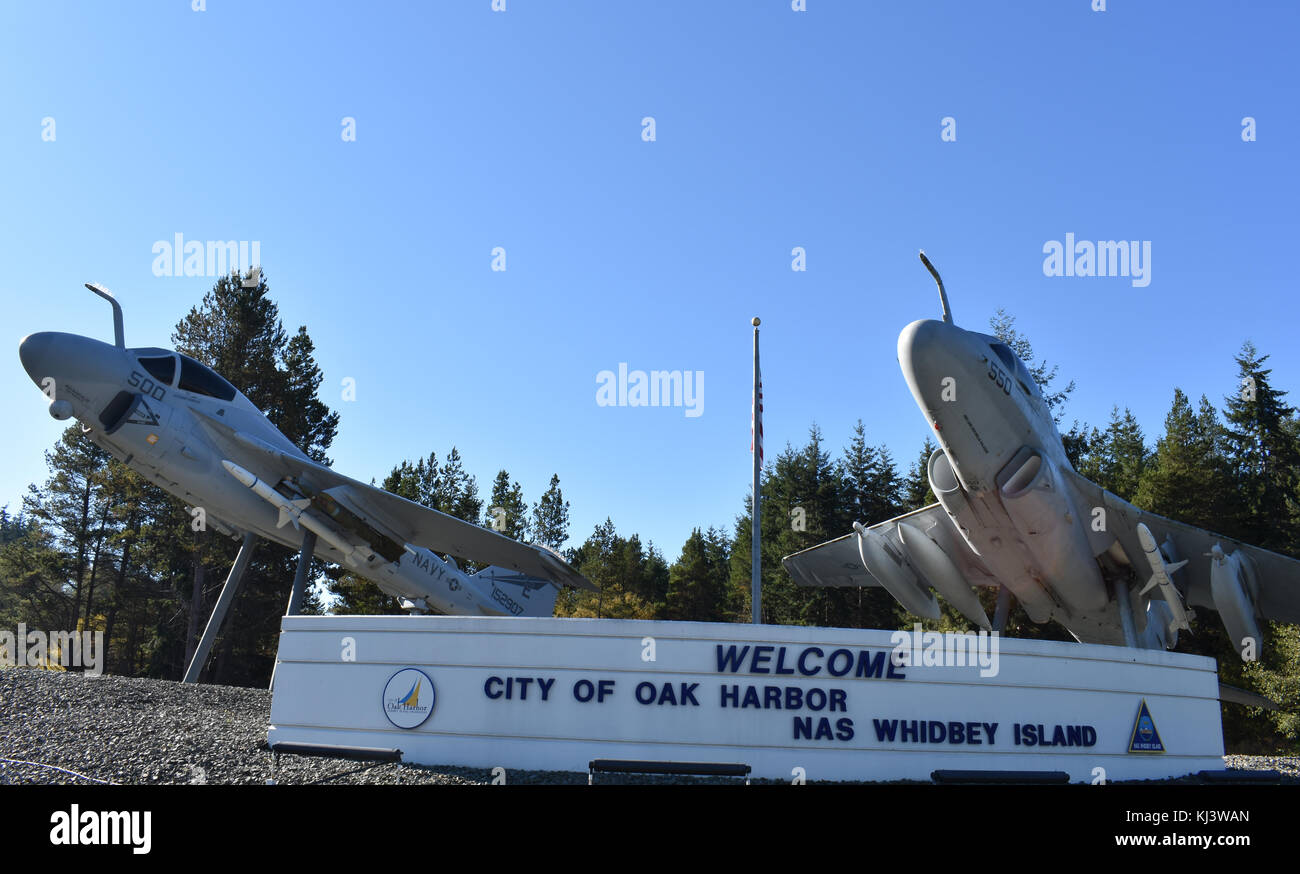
column 757, row 406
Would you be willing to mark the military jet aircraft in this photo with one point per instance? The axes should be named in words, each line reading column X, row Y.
column 181, row 425
column 1012, row 513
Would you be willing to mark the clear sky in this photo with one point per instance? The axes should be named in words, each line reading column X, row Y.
column 774, row 129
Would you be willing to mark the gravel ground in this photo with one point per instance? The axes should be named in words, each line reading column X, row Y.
column 140, row 731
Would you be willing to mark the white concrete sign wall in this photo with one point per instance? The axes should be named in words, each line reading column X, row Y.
column 791, row 701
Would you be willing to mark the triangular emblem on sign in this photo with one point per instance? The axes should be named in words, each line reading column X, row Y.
column 1145, row 737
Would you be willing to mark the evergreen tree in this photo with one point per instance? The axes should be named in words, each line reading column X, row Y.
column 508, row 497
column 804, row 503
column 697, row 586
column 551, row 516
column 457, row 491
column 305, row 415
column 74, row 506
column 1117, row 457
column 1187, row 478
column 34, row 573
column 874, row 488
column 611, row 562
column 1077, row 443
column 916, row 490
column 1265, row 455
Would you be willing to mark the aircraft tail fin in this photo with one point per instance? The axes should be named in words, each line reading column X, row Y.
column 518, row 594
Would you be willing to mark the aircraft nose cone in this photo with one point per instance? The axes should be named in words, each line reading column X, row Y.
column 919, row 339
column 34, row 352
column 71, row 358
column 926, row 355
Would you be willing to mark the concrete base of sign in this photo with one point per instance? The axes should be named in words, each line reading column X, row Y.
column 792, row 702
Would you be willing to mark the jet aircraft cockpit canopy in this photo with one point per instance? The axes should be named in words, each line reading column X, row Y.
column 192, row 376
column 203, row 380
column 161, row 367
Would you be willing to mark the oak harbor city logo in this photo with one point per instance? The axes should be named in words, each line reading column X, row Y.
column 408, row 698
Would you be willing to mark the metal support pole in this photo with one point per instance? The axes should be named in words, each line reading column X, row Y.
column 228, row 592
column 300, row 578
column 755, row 525
column 1125, row 613
column 1003, row 609
column 299, row 585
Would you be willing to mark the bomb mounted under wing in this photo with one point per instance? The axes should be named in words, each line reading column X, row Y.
column 1012, row 513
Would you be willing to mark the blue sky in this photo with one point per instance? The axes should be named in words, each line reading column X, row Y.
column 773, row 129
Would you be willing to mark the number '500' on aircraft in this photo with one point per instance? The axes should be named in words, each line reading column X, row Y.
column 182, row 426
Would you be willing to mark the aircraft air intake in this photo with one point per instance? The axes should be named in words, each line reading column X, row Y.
column 1043, row 513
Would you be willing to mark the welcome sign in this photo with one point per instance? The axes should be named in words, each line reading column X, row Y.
column 790, row 701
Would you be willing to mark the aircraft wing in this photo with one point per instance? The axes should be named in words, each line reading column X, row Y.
column 1278, row 576
column 405, row 521
column 837, row 562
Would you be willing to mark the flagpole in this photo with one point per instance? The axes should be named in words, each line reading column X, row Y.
column 755, row 528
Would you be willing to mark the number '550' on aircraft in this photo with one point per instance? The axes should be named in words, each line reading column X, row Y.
column 185, row 428
column 1013, row 514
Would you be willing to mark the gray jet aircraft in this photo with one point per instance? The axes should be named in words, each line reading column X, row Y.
column 1015, row 515
column 182, row 426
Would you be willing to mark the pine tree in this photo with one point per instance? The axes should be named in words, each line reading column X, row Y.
column 610, row 562
column 697, row 585
column 305, row 415
column 1117, row 457
column 1077, row 443
column 874, row 489
column 1187, row 478
column 804, row 503
column 457, row 491
column 551, row 516
column 508, row 512
column 1265, row 455
column 75, row 507
column 33, row 575
column 916, row 490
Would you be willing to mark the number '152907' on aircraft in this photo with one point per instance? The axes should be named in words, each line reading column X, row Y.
column 182, row 426
column 1013, row 514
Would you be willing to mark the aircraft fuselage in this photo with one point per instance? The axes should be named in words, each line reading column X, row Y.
column 998, row 474
column 145, row 406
